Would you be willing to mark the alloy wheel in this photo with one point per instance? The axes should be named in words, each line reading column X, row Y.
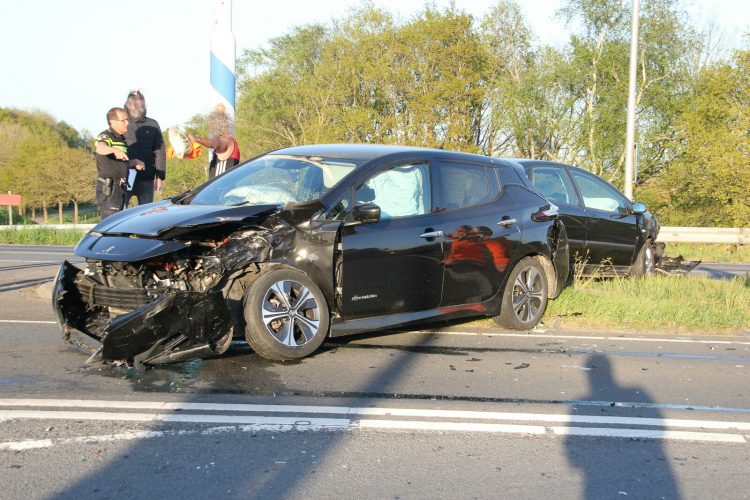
column 528, row 294
column 290, row 313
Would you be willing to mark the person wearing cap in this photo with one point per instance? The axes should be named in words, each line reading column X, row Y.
column 146, row 143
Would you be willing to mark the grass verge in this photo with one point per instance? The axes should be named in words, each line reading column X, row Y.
column 41, row 236
column 709, row 252
column 657, row 303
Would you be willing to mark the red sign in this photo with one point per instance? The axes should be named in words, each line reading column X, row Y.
column 10, row 200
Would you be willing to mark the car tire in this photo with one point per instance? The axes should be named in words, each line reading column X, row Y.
column 644, row 263
column 286, row 315
column 524, row 297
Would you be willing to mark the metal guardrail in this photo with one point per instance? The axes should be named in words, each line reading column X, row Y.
column 730, row 235
column 667, row 234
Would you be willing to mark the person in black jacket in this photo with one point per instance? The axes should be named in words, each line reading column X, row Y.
column 145, row 143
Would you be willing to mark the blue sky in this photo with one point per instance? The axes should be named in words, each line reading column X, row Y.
column 75, row 59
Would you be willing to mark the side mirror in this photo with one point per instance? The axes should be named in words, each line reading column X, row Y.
column 638, row 208
column 366, row 213
column 547, row 212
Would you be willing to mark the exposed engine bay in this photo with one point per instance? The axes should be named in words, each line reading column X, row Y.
column 161, row 309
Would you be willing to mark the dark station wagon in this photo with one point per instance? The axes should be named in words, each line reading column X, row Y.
column 608, row 234
column 314, row 241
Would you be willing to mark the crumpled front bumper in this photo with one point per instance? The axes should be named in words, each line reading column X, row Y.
column 177, row 326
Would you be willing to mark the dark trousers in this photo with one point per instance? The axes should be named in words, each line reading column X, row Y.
column 143, row 190
column 109, row 204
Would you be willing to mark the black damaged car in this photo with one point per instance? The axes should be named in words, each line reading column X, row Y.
column 314, row 241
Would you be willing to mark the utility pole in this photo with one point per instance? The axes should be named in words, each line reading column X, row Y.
column 223, row 59
column 630, row 133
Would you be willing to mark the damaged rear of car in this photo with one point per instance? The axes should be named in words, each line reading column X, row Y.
column 310, row 242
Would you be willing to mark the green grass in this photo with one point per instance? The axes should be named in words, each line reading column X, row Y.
column 41, row 236
column 657, row 303
column 709, row 252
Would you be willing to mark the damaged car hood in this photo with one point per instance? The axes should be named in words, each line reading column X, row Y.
column 166, row 219
column 151, row 230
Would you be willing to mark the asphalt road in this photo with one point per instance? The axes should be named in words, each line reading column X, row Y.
column 422, row 414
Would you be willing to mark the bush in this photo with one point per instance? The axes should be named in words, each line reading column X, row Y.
column 17, row 219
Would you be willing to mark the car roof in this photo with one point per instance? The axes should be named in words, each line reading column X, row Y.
column 526, row 162
column 374, row 151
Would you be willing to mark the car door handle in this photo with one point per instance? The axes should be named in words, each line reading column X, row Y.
column 507, row 222
column 431, row 234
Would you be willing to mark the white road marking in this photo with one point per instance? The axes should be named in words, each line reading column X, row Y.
column 441, row 420
column 343, row 410
column 384, row 412
column 31, row 261
column 136, row 435
column 585, row 337
column 300, row 424
column 28, row 321
column 648, row 434
column 448, row 426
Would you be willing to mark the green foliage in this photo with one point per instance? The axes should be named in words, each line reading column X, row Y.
column 366, row 80
column 710, row 252
column 44, row 161
column 707, row 185
column 184, row 174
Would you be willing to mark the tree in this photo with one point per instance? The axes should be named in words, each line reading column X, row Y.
column 77, row 174
column 366, row 80
column 600, row 54
column 707, row 184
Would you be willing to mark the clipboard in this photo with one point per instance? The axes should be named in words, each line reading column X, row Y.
column 131, row 179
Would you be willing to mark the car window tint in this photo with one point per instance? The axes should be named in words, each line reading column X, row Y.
column 460, row 185
column 598, row 194
column 508, row 175
column 399, row 192
column 554, row 184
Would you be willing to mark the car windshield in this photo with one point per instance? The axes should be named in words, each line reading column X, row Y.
column 275, row 179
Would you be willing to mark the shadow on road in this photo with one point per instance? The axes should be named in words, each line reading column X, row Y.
column 639, row 468
column 233, row 464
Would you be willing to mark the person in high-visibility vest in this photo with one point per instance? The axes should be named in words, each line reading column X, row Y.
column 113, row 164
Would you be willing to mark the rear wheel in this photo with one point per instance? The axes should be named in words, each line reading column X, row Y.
column 524, row 297
column 286, row 314
column 644, row 263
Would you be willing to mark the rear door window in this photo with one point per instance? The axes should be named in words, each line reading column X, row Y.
column 459, row 185
column 554, row 184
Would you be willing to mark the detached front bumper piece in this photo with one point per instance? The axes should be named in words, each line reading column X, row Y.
column 176, row 326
